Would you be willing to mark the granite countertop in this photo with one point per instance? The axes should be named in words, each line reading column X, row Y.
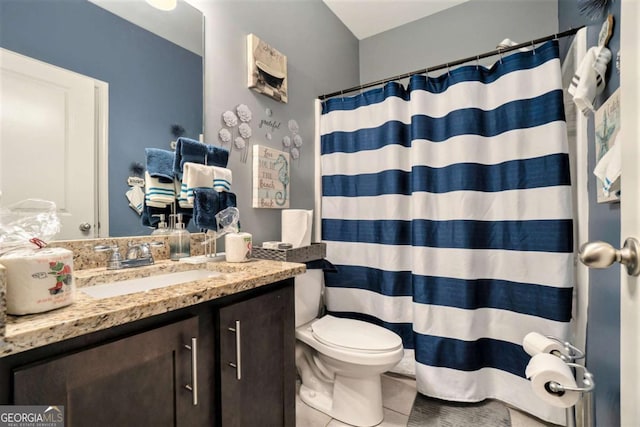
column 88, row 314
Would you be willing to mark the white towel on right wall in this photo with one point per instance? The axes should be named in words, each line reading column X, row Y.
column 589, row 79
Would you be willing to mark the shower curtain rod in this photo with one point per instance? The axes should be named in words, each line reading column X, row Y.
column 498, row 51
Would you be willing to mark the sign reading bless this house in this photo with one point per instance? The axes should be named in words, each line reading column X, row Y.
column 270, row 178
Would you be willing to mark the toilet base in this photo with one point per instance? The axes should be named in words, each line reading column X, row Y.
column 355, row 401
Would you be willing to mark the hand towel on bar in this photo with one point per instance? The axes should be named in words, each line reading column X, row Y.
column 222, row 178
column 201, row 176
column 190, row 150
column 589, row 81
column 158, row 194
column 207, row 203
column 160, row 163
column 135, row 195
column 609, row 167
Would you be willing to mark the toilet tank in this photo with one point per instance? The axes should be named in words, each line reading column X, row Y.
column 308, row 291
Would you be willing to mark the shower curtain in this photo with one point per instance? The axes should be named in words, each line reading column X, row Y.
column 446, row 208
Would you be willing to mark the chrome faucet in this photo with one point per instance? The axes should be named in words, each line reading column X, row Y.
column 137, row 255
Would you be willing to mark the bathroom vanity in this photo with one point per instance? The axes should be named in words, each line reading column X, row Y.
column 211, row 351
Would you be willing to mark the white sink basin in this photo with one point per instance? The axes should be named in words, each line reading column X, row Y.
column 130, row 286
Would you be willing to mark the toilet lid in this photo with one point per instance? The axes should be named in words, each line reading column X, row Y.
column 354, row 334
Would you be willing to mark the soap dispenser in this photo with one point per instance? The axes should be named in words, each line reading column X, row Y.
column 162, row 229
column 179, row 240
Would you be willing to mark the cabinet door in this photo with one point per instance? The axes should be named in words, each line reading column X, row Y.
column 135, row 381
column 258, row 370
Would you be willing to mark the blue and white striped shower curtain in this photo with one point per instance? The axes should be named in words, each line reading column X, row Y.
column 447, row 209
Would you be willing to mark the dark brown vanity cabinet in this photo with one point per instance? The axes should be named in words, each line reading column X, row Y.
column 257, row 361
column 148, row 379
column 137, row 374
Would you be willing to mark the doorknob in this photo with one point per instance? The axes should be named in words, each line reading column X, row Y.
column 601, row 255
column 85, row 226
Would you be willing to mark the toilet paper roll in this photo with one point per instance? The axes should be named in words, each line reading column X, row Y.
column 296, row 226
column 38, row 280
column 237, row 247
column 544, row 368
column 536, row 343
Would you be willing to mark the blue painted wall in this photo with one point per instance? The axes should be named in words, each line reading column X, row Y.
column 153, row 83
column 603, row 328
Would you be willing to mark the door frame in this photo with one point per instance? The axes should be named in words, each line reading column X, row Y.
column 101, row 220
column 630, row 212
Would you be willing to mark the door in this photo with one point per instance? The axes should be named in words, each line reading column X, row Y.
column 630, row 212
column 135, row 381
column 47, row 140
column 257, row 372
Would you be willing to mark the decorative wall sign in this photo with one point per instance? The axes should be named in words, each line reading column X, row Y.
column 267, row 69
column 607, row 126
column 270, row 178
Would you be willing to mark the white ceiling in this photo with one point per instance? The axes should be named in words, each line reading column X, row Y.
column 366, row 18
column 182, row 26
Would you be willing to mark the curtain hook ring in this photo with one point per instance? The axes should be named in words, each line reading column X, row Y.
column 448, row 70
column 533, row 46
column 477, row 62
column 500, row 53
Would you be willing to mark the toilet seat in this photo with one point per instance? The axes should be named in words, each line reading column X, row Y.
column 365, row 357
column 354, row 335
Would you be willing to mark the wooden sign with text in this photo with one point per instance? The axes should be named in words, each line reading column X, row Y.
column 270, row 178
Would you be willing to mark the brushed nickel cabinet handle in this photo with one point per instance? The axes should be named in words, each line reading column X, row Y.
column 194, row 370
column 238, row 364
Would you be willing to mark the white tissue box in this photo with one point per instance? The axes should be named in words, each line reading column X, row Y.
column 38, row 280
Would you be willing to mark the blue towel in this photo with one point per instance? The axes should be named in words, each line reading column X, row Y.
column 160, row 163
column 190, row 150
column 207, row 203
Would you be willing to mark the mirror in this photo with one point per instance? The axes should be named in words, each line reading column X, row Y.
column 149, row 66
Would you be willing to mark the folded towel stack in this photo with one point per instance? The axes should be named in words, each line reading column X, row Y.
column 201, row 176
column 192, row 151
column 207, row 203
column 158, row 194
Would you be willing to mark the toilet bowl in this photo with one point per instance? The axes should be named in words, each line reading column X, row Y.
column 340, row 362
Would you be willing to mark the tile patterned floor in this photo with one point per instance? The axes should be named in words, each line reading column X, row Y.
column 398, row 393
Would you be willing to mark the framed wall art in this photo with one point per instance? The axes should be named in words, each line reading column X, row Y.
column 267, row 69
column 607, row 126
column 270, row 178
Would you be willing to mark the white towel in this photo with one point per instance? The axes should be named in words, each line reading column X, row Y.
column 588, row 81
column 221, row 179
column 158, row 194
column 135, row 195
column 609, row 168
column 196, row 175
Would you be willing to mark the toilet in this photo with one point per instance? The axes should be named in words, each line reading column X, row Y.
column 340, row 360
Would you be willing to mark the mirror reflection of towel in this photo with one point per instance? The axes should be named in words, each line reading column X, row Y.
column 190, row 150
column 589, row 79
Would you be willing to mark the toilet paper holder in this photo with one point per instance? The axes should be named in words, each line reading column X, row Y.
column 572, row 353
column 587, row 381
